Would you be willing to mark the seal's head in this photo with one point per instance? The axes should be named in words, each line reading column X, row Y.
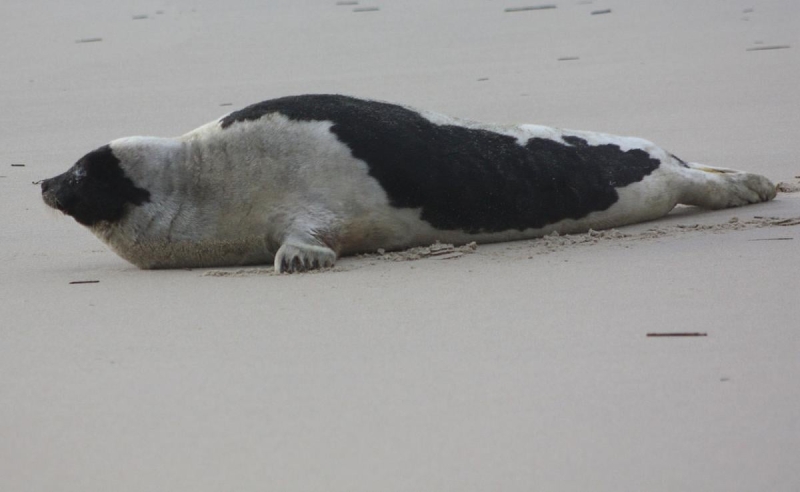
column 94, row 190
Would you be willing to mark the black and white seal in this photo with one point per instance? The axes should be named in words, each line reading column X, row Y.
column 301, row 180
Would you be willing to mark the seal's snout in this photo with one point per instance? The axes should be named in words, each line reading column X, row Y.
column 54, row 193
column 49, row 187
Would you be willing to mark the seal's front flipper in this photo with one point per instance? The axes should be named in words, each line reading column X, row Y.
column 306, row 247
column 294, row 256
column 310, row 241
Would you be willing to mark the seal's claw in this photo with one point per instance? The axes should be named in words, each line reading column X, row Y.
column 297, row 257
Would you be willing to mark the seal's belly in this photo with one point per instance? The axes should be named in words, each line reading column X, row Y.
column 199, row 253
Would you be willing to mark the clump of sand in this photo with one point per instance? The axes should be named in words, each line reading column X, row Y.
column 555, row 242
column 786, row 187
column 241, row 272
column 441, row 251
column 249, row 272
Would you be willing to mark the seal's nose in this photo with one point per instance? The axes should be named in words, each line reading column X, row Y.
column 51, row 188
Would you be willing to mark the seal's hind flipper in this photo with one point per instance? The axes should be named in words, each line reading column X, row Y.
column 718, row 187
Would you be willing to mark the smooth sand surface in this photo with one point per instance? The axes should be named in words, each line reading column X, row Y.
column 516, row 367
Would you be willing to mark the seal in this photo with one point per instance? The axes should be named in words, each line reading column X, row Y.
column 299, row 181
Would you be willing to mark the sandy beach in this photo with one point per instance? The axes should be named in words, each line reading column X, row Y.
column 512, row 367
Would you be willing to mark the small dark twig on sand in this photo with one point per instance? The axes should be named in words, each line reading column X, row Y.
column 532, row 7
column 678, row 334
column 765, row 48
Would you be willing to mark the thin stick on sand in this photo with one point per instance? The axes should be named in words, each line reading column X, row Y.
column 678, row 334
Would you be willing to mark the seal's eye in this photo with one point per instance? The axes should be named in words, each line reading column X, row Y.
column 79, row 172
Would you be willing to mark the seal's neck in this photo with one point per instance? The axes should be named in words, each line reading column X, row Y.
column 159, row 166
column 150, row 162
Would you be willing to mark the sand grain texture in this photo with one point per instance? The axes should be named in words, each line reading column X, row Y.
column 515, row 367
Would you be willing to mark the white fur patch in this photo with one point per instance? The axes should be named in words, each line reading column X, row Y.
column 277, row 186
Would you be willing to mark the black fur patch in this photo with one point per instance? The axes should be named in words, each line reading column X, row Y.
column 95, row 189
column 468, row 179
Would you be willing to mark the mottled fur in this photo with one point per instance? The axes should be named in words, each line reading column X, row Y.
column 268, row 188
